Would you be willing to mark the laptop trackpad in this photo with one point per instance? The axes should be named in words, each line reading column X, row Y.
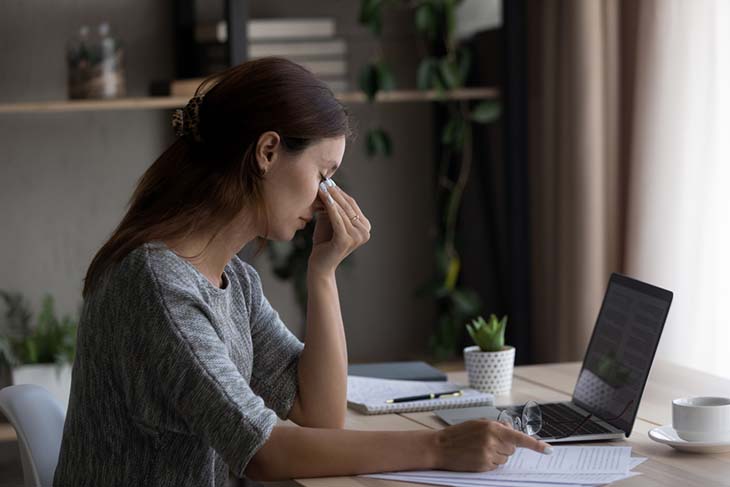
column 459, row 415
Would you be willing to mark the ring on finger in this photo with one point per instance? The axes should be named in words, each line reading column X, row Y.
column 355, row 218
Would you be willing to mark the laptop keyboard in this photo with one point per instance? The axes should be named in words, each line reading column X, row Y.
column 554, row 425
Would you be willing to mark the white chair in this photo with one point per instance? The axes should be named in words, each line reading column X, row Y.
column 38, row 421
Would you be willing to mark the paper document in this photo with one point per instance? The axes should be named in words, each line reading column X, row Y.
column 571, row 480
column 497, row 483
column 565, row 459
column 570, row 459
column 567, row 466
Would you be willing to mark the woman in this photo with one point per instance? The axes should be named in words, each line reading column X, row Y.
column 182, row 365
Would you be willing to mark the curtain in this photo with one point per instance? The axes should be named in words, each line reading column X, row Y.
column 575, row 89
column 629, row 163
column 679, row 206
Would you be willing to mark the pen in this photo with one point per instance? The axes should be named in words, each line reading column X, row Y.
column 433, row 395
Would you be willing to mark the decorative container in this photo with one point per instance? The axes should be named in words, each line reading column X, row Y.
column 490, row 371
column 56, row 379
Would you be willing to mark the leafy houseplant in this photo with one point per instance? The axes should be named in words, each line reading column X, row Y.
column 444, row 68
column 51, row 340
column 40, row 353
column 489, row 363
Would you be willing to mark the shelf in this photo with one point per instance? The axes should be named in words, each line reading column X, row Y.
column 7, row 432
column 148, row 103
column 164, row 102
column 418, row 95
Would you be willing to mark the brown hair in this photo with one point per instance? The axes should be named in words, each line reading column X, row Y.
column 201, row 186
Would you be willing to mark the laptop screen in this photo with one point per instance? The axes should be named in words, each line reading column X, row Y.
column 621, row 350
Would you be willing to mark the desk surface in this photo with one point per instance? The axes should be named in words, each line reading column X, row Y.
column 665, row 466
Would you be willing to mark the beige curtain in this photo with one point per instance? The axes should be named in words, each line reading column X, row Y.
column 678, row 225
column 580, row 73
column 628, row 157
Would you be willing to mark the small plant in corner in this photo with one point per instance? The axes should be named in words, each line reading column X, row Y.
column 50, row 340
column 488, row 335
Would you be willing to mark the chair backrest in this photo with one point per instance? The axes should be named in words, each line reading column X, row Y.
column 38, row 421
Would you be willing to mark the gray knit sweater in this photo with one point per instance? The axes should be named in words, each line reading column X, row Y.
column 175, row 380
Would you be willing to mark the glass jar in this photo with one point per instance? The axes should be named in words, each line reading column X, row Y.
column 95, row 65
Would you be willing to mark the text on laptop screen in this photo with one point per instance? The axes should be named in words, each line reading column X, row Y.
column 621, row 350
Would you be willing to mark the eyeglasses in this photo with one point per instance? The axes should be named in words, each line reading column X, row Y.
column 529, row 419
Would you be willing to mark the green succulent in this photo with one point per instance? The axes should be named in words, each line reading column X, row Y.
column 488, row 335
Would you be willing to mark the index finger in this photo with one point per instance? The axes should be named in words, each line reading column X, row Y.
column 525, row 441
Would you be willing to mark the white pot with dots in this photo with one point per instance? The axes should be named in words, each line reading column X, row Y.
column 490, row 371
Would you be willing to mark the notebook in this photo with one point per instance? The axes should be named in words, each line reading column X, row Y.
column 415, row 370
column 368, row 395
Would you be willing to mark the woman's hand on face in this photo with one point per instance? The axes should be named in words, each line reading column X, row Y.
column 341, row 228
column 479, row 445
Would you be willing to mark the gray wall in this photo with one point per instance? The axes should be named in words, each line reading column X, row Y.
column 65, row 179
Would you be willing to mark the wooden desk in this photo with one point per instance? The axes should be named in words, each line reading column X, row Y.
column 665, row 466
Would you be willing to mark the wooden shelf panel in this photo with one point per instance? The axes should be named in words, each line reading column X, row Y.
column 144, row 103
column 166, row 102
column 420, row 96
column 7, row 432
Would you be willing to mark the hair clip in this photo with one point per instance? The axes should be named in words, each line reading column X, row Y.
column 186, row 121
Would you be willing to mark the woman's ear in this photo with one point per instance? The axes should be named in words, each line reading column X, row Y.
column 267, row 148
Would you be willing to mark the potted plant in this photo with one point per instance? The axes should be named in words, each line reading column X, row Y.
column 489, row 363
column 40, row 353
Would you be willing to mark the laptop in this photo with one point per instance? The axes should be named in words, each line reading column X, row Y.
column 614, row 372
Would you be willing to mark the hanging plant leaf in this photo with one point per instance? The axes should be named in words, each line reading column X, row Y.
column 464, row 62
column 486, row 111
column 438, row 82
column 449, row 73
column 427, row 20
column 452, row 274
column 442, row 260
column 371, row 15
column 453, row 134
column 425, row 74
column 386, row 80
column 447, row 136
column 375, row 77
column 430, row 77
column 435, row 20
column 369, row 81
column 466, row 302
column 378, row 142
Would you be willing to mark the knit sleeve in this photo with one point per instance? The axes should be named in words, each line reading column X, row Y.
column 276, row 351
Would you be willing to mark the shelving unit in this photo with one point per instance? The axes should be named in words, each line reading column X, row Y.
column 167, row 102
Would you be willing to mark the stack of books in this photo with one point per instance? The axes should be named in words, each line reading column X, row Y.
column 310, row 42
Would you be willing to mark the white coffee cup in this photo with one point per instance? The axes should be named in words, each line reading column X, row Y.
column 702, row 418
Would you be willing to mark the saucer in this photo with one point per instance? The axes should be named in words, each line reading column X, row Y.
column 668, row 436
